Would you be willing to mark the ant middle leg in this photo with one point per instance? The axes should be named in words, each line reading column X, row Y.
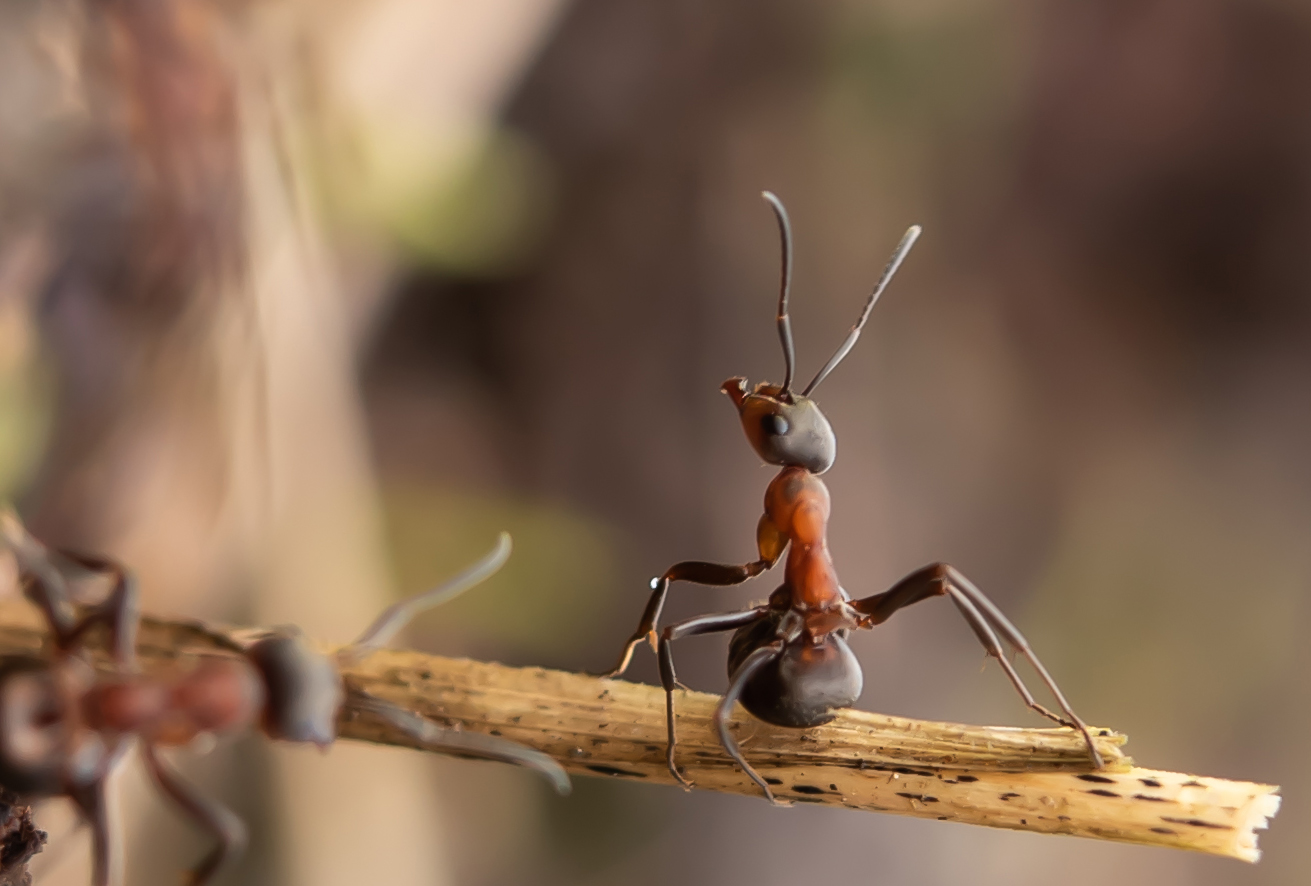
column 120, row 611
column 703, row 624
column 213, row 816
column 987, row 622
column 694, row 571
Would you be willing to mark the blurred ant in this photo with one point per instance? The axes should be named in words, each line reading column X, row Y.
column 63, row 727
column 789, row 663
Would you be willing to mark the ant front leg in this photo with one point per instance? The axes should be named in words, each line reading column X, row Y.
column 705, row 624
column 770, row 541
column 987, row 622
column 213, row 816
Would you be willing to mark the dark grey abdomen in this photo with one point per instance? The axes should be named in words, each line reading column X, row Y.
column 805, row 686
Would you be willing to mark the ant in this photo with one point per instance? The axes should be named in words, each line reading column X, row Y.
column 789, row 662
column 63, row 727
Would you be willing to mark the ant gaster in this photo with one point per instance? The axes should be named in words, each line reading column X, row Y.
column 63, row 727
column 789, row 663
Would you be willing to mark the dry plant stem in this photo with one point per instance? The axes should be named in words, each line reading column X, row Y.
column 1025, row 779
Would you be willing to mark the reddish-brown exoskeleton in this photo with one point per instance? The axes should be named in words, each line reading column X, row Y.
column 63, row 727
column 789, row 663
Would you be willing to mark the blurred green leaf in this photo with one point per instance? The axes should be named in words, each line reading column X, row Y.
column 545, row 600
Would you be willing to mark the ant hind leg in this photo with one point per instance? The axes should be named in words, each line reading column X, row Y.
column 988, row 624
column 704, row 624
column 750, row 667
column 986, row 619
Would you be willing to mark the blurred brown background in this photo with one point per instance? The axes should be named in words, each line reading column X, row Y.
column 301, row 302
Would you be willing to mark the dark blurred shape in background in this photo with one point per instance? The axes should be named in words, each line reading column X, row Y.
column 300, row 304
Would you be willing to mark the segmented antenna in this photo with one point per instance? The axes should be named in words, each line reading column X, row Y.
column 395, row 617
column 784, row 321
column 898, row 255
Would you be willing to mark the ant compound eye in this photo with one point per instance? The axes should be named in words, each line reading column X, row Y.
column 774, row 424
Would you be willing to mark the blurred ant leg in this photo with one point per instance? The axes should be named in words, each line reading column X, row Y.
column 471, row 744
column 43, row 584
column 754, row 662
column 90, row 799
column 964, row 589
column 985, row 619
column 228, row 829
column 121, row 611
column 694, row 571
column 395, row 617
column 704, row 624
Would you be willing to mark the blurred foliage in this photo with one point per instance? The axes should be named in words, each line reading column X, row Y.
column 541, row 603
column 472, row 204
column 924, row 70
column 26, row 403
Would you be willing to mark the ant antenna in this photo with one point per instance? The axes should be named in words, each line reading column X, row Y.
column 784, row 322
column 898, row 255
column 396, row 616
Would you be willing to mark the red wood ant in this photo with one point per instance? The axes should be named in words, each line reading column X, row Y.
column 62, row 727
column 789, row 663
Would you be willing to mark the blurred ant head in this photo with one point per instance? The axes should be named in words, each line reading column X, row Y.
column 303, row 688
column 786, row 428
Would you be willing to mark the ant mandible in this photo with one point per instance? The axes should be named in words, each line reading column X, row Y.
column 63, row 728
column 789, row 663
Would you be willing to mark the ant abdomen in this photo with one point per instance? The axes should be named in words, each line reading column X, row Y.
column 805, row 685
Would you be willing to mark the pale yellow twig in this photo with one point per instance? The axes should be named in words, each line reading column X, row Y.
column 1027, row 779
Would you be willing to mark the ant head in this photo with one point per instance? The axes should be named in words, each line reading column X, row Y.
column 303, row 689
column 784, row 429
column 787, row 428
